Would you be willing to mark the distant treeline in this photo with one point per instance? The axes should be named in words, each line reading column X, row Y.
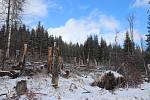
column 93, row 49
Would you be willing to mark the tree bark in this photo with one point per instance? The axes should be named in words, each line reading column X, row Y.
column 55, row 67
column 49, row 62
column 24, row 56
column 148, row 72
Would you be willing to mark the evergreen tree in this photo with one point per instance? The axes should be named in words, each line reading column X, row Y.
column 103, row 52
column 13, row 43
column 128, row 47
column 40, row 38
column 147, row 57
column 88, row 48
column 2, row 37
column 95, row 47
column 32, row 43
column 147, row 53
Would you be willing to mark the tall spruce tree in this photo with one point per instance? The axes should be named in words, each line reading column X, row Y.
column 2, row 37
column 128, row 49
column 103, row 52
column 147, row 53
column 95, row 47
column 40, row 38
column 147, row 57
column 32, row 43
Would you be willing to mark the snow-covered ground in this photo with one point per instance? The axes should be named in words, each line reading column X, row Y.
column 40, row 88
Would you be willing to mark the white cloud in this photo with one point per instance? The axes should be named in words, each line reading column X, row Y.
column 140, row 3
column 77, row 30
column 34, row 10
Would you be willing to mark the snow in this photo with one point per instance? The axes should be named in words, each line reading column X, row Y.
column 115, row 73
column 40, row 86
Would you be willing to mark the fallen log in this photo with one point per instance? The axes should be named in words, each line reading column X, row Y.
column 3, row 94
column 13, row 74
column 6, row 73
column 16, row 73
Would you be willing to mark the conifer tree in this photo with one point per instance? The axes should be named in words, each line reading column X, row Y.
column 128, row 49
column 2, row 37
column 147, row 57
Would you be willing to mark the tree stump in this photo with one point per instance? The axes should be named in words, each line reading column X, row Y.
column 148, row 67
column 23, row 60
column 21, row 87
column 49, row 61
column 55, row 66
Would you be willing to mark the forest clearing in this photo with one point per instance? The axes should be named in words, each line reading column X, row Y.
column 50, row 52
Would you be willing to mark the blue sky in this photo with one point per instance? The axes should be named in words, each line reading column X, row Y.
column 74, row 20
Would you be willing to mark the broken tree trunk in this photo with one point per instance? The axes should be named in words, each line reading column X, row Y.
column 55, row 66
column 24, row 56
column 49, row 62
column 61, row 66
column 21, row 87
column 148, row 67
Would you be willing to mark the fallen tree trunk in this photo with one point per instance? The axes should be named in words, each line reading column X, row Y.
column 12, row 73
column 6, row 73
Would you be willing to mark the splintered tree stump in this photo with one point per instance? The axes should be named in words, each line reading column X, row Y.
column 22, row 63
column 148, row 72
column 55, row 81
column 49, row 61
column 61, row 66
column 21, row 87
column 55, row 66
